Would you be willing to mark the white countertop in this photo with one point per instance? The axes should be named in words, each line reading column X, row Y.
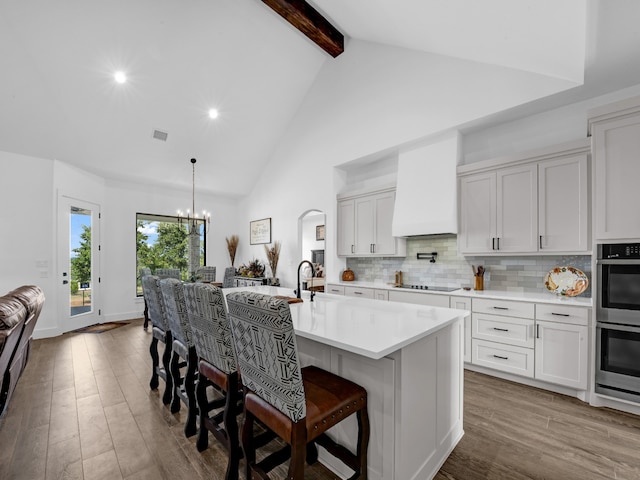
column 541, row 297
column 371, row 328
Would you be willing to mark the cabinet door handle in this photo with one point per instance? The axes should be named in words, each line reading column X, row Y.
column 501, row 329
column 560, row 314
column 501, row 308
column 540, row 242
column 498, row 238
column 493, row 243
column 352, row 249
column 373, row 245
column 500, row 357
column 537, row 331
column 357, row 293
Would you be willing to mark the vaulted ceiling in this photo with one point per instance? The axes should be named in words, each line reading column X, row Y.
column 58, row 99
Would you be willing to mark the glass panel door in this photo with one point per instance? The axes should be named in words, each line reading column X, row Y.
column 80, row 259
column 78, row 263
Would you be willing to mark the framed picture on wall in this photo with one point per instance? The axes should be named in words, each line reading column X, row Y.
column 320, row 232
column 260, row 231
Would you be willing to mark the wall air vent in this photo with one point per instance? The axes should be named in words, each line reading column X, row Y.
column 160, row 135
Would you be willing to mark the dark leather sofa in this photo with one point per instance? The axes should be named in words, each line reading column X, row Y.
column 19, row 312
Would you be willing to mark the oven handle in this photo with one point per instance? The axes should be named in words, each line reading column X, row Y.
column 615, row 326
column 618, row 261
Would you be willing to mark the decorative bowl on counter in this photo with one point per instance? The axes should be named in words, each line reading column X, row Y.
column 348, row 275
column 566, row 281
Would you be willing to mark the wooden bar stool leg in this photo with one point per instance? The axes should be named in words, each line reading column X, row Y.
column 231, row 426
column 175, row 375
column 248, row 446
column 155, row 362
column 298, row 450
column 190, row 427
column 166, row 357
column 203, row 407
column 363, row 442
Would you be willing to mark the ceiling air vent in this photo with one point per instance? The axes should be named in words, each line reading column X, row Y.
column 160, row 135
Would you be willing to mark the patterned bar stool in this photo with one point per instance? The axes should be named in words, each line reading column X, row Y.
column 161, row 333
column 217, row 368
column 206, row 274
column 168, row 273
column 183, row 352
column 229, row 274
column 298, row 405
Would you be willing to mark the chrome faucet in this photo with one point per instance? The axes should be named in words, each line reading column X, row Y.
column 313, row 274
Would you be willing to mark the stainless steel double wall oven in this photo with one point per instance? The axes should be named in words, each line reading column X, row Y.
column 618, row 321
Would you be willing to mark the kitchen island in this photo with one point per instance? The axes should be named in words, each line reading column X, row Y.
column 409, row 359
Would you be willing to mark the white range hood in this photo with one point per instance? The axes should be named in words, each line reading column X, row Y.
column 426, row 194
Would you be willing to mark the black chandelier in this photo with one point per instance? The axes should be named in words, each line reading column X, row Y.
column 192, row 219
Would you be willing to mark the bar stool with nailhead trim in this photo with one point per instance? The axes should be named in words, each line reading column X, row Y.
column 297, row 404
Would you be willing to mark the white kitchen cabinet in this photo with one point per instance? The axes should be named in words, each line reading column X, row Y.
column 464, row 303
column 615, row 137
column 547, row 342
column 477, row 213
column 562, row 345
column 563, row 206
column 517, row 216
column 381, row 294
column 535, row 203
column 499, row 211
column 346, row 228
column 561, row 354
column 364, row 226
column 433, row 300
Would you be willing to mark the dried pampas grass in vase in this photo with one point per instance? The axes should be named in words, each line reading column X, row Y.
column 273, row 255
column 232, row 246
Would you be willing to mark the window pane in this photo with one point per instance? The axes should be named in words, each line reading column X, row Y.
column 161, row 242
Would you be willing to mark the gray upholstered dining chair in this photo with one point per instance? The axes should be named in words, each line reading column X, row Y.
column 217, row 368
column 229, row 274
column 160, row 333
column 183, row 352
column 168, row 273
column 206, row 274
column 297, row 404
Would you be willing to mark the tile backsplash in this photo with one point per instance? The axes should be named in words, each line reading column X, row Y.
column 512, row 273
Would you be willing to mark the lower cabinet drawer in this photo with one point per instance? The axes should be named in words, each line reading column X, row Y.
column 508, row 358
column 509, row 330
column 335, row 289
column 358, row 292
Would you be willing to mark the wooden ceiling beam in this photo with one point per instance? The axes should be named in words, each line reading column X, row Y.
column 310, row 22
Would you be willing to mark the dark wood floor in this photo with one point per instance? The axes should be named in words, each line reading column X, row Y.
column 83, row 409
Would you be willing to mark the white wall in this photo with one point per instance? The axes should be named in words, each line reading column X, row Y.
column 537, row 131
column 29, row 190
column 27, row 252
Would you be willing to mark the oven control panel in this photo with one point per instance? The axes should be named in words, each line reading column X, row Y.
column 619, row 250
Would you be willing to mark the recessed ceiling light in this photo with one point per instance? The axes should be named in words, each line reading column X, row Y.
column 120, row 77
column 213, row 113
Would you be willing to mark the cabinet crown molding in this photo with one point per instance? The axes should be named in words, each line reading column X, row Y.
column 545, row 153
column 366, row 191
column 629, row 106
